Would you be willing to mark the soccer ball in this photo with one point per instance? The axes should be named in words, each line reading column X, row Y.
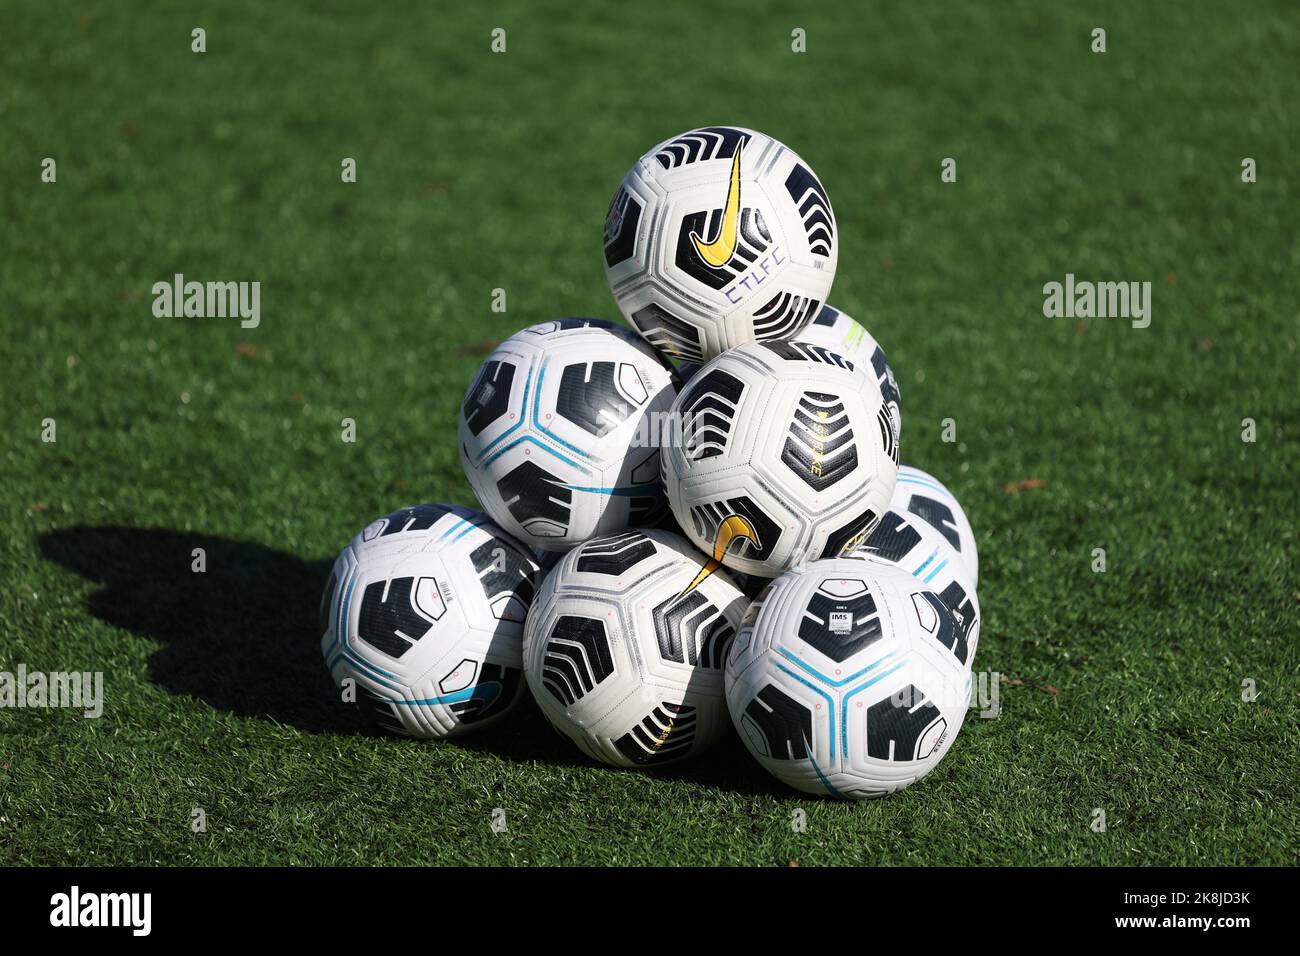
column 919, row 549
column 841, row 679
column 926, row 497
column 834, row 330
column 786, row 451
column 424, row 611
column 624, row 648
column 558, row 435
column 718, row 237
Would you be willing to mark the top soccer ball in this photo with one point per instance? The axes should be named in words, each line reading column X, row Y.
column 557, row 436
column 719, row 237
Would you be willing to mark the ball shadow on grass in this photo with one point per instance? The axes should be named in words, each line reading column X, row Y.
column 526, row 737
column 242, row 637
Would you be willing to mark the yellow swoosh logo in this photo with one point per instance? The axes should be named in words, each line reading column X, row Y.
column 733, row 528
column 719, row 252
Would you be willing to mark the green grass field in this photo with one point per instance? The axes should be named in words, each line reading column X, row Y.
column 1120, row 690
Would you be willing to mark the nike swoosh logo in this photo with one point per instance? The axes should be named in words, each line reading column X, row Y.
column 719, row 252
column 732, row 528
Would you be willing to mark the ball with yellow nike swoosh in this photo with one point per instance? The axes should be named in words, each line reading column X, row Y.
column 719, row 237
column 780, row 453
column 624, row 646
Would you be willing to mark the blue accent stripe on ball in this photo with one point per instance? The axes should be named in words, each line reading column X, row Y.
column 830, row 705
column 537, row 420
column 818, row 770
column 925, row 483
column 367, row 666
column 487, row 691
column 620, row 490
column 530, row 438
column 455, row 525
column 347, row 651
column 523, row 412
column 861, row 687
column 468, row 527
column 827, row 680
column 930, row 577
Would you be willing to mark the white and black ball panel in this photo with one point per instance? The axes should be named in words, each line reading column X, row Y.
column 919, row 493
column 916, row 547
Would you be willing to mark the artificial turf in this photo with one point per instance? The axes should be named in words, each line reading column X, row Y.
column 476, row 171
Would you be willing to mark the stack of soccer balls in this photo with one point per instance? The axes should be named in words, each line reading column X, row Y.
column 620, row 491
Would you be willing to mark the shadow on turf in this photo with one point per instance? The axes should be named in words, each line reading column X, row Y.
column 526, row 737
column 242, row 637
